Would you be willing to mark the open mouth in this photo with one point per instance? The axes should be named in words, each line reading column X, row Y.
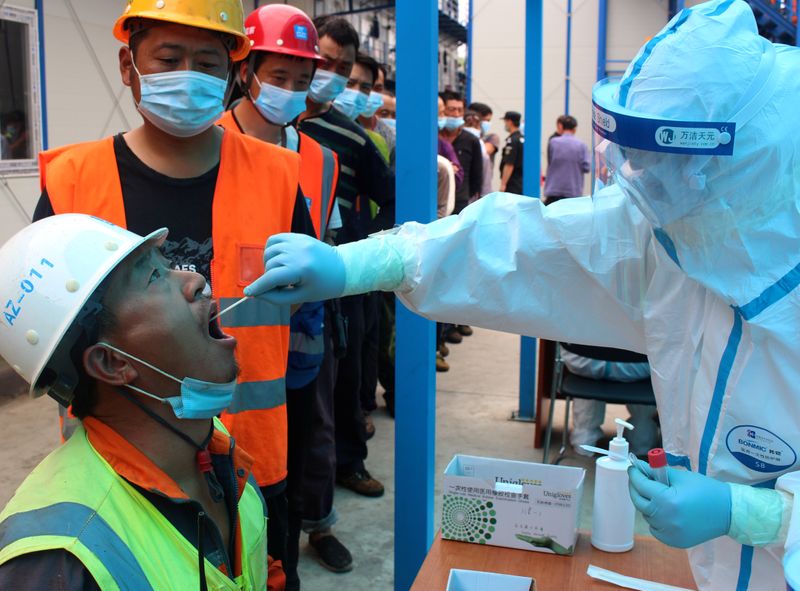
column 214, row 328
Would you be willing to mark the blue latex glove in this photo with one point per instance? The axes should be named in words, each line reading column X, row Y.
column 298, row 269
column 692, row 510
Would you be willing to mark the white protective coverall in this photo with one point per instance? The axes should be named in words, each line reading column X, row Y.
column 696, row 264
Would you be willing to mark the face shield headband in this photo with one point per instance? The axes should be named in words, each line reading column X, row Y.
column 662, row 164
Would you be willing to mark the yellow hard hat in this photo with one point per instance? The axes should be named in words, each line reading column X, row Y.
column 224, row 16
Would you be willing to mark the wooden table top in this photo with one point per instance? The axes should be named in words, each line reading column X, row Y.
column 649, row 559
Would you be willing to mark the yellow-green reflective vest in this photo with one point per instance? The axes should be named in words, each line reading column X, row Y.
column 74, row 501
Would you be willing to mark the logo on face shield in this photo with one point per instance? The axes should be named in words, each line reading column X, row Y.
column 603, row 120
column 665, row 136
column 692, row 138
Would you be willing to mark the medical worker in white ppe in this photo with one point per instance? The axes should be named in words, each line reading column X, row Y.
column 689, row 253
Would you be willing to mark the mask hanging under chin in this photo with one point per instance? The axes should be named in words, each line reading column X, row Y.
column 198, row 399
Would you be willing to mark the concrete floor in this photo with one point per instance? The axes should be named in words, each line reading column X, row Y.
column 474, row 402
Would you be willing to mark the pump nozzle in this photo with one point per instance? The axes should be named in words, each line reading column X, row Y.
column 622, row 425
column 618, row 448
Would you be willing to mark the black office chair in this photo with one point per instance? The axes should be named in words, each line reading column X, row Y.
column 567, row 385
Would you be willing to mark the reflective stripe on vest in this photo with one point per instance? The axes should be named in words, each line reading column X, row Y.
column 73, row 520
column 310, row 345
column 319, row 172
column 258, row 395
column 255, row 312
column 75, row 501
column 245, row 212
column 330, row 178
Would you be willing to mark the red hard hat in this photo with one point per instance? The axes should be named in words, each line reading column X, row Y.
column 281, row 28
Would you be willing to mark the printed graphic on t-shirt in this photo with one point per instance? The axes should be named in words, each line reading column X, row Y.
column 190, row 255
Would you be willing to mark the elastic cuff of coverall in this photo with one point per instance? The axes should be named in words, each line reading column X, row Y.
column 759, row 516
column 323, row 524
column 374, row 264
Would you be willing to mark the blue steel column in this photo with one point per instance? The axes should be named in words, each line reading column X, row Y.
column 42, row 76
column 601, row 39
column 532, row 167
column 415, row 398
column 569, row 57
column 468, row 93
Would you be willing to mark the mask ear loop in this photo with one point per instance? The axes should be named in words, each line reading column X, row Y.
column 153, row 367
column 148, row 365
column 135, row 69
column 202, row 456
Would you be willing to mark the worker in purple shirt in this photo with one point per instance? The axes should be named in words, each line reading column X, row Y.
column 569, row 161
column 446, row 149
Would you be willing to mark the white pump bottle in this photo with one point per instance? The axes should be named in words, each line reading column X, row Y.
column 614, row 513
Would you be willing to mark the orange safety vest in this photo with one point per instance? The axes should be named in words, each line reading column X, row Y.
column 254, row 199
column 319, row 174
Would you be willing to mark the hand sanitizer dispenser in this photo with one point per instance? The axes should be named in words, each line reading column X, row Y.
column 614, row 513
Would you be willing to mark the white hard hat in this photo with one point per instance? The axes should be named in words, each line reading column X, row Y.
column 48, row 274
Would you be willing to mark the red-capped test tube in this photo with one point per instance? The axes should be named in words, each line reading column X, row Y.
column 657, row 458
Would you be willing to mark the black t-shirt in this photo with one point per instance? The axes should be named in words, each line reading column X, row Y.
column 512, row 154
column 468, row 150
column 153, row 200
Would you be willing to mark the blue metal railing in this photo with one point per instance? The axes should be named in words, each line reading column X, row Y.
column 777, row 19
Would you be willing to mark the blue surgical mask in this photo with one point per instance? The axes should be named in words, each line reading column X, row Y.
column 351, row 102
column 390, row 123
column 198, row 399
column 326, row 86
column 374, row 102
column 474, row 131
column 485, row 127
column 183, row 103
column 278, row 105
column 442, row 122
column 452, row 123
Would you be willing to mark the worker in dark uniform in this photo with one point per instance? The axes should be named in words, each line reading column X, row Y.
column 511, row 162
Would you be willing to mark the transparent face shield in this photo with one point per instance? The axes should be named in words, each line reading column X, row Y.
column 661, row 164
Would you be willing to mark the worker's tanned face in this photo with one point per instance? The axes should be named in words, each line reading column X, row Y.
column 284, row 71
column 389, row 108
column 379, row 82
column 162, row 316
column 336, row 58
column 170, row 48
column 360, row 79
column 454, row 108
